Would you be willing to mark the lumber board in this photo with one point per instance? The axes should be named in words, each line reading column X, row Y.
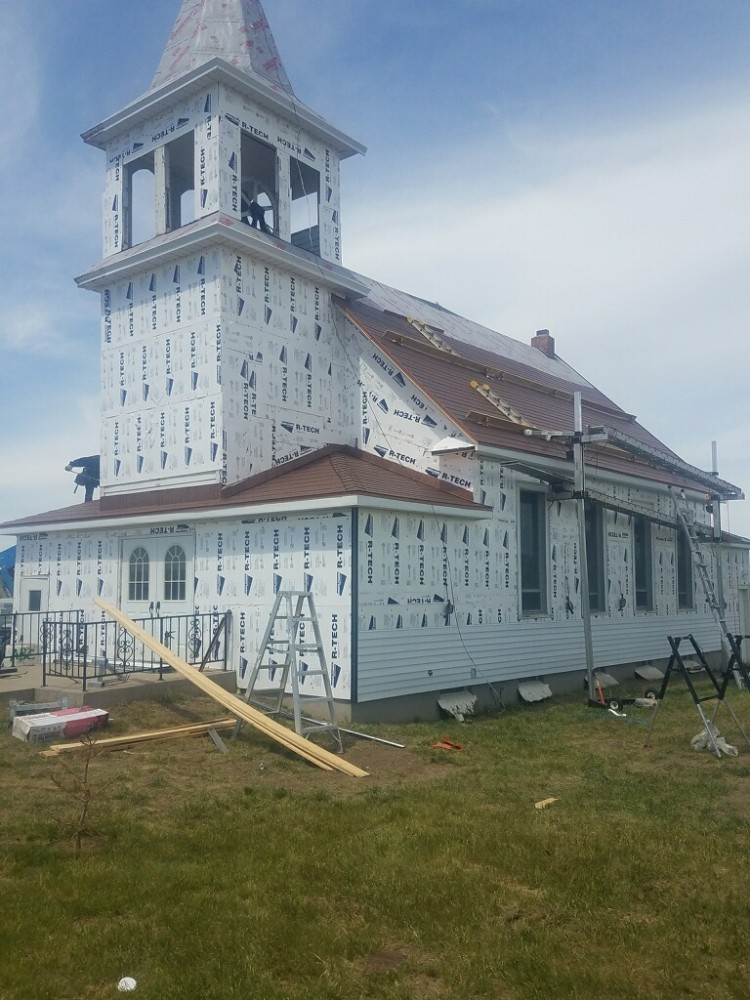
column 286, row 737
column 150, row 736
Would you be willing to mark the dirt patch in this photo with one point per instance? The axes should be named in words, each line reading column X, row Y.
column 150, row 776
column 384, row 961
column 737, row 787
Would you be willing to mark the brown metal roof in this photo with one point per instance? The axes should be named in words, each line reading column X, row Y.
column 543, row 400
column 333, row 471
column 339, row 470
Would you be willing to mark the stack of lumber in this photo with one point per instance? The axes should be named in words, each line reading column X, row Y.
column 154, row 736
column 323, row 759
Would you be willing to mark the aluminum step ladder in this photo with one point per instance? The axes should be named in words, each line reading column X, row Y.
column 285, row 653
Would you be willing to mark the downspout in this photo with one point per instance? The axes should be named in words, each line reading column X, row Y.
column 354, row 603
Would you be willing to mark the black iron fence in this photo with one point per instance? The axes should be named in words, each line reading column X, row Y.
column 21, row 634
column 92, row 652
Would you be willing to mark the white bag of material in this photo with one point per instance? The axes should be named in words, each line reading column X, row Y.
column 701, row 741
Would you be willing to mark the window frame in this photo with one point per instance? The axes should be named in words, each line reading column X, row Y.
column 304, row 205
column 595, row 556
column 538, row 559
column 259, row 179
column 142, row 578
column 684, row 569
column 643, row 567
column 172, row 580
column 139, row 201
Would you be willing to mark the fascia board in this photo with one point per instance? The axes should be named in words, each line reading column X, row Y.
column 246, row 510
column 735, row 543
column 220, row 229
column 217, row 70
column 565, row 470
column 477, row 513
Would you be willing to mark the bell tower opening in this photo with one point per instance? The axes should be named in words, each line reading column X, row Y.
column 140, row 202
column 179, row 166
column 305, row 206
column 259, row 185
column 159, row 192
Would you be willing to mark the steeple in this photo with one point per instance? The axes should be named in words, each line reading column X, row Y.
column 233, row 30
column 222, row 248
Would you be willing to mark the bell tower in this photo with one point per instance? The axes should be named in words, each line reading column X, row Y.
column 222, row 248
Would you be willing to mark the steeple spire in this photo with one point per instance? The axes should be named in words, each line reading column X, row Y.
column 234, row 30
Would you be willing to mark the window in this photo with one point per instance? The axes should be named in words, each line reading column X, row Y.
column 595, row 556
column 35, row 600
column 175, row 576
column 685, row 589
column 533, row 552
column 138, row 574
column 644, row 593
column 305, row 206
column 157, row 575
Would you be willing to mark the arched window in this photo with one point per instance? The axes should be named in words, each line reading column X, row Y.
column 138, row 573
column 175, row 574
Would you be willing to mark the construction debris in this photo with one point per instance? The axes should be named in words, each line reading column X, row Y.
column 649, row 673
column 298, row 744
column 459, row 704
column 545, row 803
column 70, row 722
column 446, row 744
column 16, row 707
column 702, row 741
column 534, row 691
column 349, row 732
column 692, row 665
column 154, row 736
column 605, row 680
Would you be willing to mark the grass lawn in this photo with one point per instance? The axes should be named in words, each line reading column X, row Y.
column 254, row 876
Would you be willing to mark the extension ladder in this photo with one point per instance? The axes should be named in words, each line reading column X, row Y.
column 733, row 661
column 285, row 641
column 684, row 516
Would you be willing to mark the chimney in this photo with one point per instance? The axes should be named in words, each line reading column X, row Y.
column 544, row 343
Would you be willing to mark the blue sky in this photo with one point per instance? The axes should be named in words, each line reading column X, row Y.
column 577, row 165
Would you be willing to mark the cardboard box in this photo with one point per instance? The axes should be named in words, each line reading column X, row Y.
column 68, row 723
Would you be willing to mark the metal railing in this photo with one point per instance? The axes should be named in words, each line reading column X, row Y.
column 93, row 652
column 21, row 634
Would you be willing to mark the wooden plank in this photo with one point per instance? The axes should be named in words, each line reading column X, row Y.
column 240, row 709
column 151, row 736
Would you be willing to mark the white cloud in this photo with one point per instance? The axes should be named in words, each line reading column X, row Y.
column 631, row 247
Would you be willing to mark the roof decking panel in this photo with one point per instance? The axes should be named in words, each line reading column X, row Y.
column 544, row 399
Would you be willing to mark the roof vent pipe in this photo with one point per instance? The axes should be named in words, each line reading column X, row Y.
column 544, row 343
